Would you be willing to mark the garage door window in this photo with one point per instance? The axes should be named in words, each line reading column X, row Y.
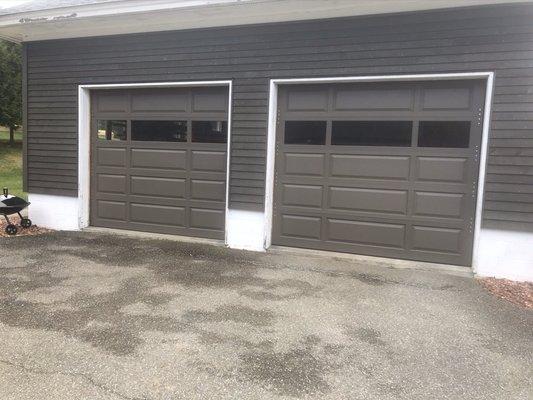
column 450, row 134
column 371, row 133
column 305, row 132
column 209, row 131
column 111, row 129
column 159, row 131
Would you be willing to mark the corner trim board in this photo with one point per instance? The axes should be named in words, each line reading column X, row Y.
column 25, row 118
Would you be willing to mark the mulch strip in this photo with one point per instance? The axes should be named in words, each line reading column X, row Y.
column 31, row 231
column 519, row 293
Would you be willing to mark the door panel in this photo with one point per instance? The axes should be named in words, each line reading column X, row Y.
column 378, row 193
column 162, row 183
column 365, row 166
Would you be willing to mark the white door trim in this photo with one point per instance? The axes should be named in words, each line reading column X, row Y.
column 272, row 122
column 84, row 137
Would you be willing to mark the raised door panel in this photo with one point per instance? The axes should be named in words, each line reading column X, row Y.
column 362, row 232
column 155, row 214
column 163, row 187
column 368, row 200
column 368, row 166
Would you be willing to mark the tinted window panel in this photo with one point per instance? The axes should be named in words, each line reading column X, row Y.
column 159, row 131
column 372, row 133
column 444, row 134
column 108, row 129
column 210, row 131
column 305, row 132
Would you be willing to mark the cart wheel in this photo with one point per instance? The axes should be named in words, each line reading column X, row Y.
column 25, row 222
column 11, row 229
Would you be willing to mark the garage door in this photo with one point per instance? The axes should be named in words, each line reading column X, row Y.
column 379, row 169
column 159, row 160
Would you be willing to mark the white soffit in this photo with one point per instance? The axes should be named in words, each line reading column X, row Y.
column 134, row 16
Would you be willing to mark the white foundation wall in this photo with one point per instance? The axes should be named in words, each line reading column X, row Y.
column 245, row 230
column 54, row 212
column 505, row 254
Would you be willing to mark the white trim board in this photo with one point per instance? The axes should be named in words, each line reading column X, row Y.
column 84, row 136
column 155, row 84
column 272, row 122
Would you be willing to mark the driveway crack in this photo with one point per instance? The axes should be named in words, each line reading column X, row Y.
column 85, row 377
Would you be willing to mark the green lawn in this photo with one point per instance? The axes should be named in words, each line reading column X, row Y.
column 11, row 163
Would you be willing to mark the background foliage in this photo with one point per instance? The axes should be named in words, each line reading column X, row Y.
column 10, row 86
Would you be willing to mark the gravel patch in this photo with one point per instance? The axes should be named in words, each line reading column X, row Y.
column 31, row 231
column 519, row 293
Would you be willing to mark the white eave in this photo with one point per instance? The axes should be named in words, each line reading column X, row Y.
column 134, row 16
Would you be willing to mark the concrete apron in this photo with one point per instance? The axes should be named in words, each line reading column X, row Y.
column 379, row 262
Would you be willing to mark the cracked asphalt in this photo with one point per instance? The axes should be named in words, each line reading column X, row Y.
column 100, row 316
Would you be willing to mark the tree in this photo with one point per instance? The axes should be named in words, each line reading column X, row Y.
column 10, row 87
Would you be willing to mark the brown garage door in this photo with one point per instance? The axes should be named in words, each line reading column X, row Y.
column 159, row 160
column 379, row 169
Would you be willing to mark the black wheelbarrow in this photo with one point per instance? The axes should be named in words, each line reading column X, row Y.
column 10, row 205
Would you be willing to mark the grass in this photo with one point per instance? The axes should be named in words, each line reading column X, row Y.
column 11, row 163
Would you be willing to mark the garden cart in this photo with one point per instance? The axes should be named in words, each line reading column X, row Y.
column 10, row 205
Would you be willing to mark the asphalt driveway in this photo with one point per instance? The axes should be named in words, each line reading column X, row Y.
column 98, row 316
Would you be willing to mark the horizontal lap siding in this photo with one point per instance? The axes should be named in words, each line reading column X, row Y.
column 496, row 39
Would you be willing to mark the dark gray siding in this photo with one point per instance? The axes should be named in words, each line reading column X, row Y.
column 496, row 39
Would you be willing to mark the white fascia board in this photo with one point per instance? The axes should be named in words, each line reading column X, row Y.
column 10, row 37
column 112, row 8
column 137, row 16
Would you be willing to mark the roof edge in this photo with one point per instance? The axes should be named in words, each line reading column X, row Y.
column 137, row 16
